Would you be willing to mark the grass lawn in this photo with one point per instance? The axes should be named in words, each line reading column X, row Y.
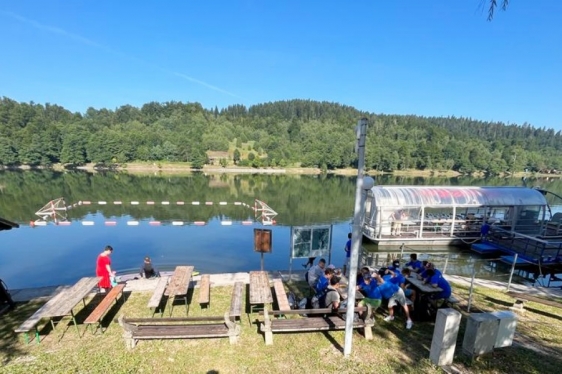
column 538, row 347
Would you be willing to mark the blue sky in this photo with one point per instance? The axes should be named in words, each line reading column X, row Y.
column 434, row 58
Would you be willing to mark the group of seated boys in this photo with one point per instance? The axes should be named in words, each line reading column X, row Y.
column 388, row 283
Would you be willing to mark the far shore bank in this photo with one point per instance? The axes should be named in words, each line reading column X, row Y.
column 184, row 168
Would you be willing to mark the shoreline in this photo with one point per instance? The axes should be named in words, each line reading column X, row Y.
column 183, row 168
column 228, row 279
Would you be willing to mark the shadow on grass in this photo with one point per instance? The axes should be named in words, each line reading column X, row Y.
column 10, row 347
column 526, row 308
column 167, row 305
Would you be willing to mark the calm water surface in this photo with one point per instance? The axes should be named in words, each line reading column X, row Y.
column 39, row 256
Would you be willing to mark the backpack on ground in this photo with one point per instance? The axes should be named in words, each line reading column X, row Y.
column 292, row 300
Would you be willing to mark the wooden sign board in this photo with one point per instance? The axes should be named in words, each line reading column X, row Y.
column 262, row 240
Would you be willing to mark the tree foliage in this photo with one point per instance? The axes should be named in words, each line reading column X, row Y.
column 309, row 133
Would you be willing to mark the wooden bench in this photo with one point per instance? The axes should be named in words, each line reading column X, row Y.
column 281, row 295
column 205, row 290
column 451, row 301
column 102, row 308
column 522, row 298
column 236, row 300
column 156, row 299
column 326, row 321
column 178, row 328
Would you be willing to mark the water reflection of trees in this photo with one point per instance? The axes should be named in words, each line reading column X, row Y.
column 299, row 199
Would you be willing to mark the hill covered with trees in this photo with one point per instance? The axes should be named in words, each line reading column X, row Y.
column 282, row 133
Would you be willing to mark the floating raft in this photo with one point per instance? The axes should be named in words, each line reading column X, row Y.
column 509, row 260
column 485, row 248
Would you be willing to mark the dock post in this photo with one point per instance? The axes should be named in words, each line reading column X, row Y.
column 471, row 289
column 512, row 270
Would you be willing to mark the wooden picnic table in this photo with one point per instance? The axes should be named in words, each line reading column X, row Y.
column 179, row 285
column 260, row 290
column 60, row 305
column 423, row 287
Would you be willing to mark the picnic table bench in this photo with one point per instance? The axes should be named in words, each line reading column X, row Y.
column 60, row 305
column 325, row 320
column 178, row 328
column 156, row 298
column 102, row 308
column 236, row 301
column 179, row 285
column 281, row 295
column 260, row 290
column 205, row 290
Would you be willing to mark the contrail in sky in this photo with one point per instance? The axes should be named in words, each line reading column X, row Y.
column 81, row 39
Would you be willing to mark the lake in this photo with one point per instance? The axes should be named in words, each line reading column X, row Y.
column 57, row 254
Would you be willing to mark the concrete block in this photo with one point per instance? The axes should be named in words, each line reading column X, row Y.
column 445, row 334
column 480, row 334
column 506, row 328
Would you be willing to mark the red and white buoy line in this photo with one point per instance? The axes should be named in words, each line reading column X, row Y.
column 151, row 223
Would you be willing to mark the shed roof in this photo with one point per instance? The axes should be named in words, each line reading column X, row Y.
column 393, row 196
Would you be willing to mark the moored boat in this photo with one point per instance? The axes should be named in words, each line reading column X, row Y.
column 451, row 215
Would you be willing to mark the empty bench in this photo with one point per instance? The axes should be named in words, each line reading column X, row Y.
column 178, row 328
column 156, row 298
column 326, row 321
column 205, row 290
column 236, row 301
column 281, row 295
column 97, row 315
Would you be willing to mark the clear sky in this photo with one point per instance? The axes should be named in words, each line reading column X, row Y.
column 434, row 58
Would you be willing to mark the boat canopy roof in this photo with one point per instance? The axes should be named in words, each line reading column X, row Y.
column 468, row 196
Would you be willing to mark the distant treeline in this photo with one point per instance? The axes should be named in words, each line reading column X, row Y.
column 309, row 133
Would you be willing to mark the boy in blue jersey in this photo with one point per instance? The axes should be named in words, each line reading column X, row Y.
column 395, row 295
column 347, row 250
column 414, row 264
column 395, row 265
column 399, row 277
column 437, row 280
column 323, row 281
column 360, row 280
column 373, row 296
column 408, row 292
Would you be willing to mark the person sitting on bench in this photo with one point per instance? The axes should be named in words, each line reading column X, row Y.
column 147, row 270
column 324, row 281
column 414, row 264
column 437, row 280
column 315, row 272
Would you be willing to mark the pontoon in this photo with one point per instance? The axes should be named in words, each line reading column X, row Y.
column 451, row 215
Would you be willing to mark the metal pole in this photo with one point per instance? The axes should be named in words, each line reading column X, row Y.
column 471, row 289
column 512, row 270
column 330, row 253
column 446, row 263
column 356, row 235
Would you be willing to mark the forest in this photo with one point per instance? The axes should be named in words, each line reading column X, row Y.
column 277, row 134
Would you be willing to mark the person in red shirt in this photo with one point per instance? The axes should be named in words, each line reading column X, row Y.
column 103, row 268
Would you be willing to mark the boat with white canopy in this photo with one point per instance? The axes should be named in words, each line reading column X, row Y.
column 449, row 215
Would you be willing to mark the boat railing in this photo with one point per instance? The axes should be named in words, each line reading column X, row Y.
column 527, row 247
